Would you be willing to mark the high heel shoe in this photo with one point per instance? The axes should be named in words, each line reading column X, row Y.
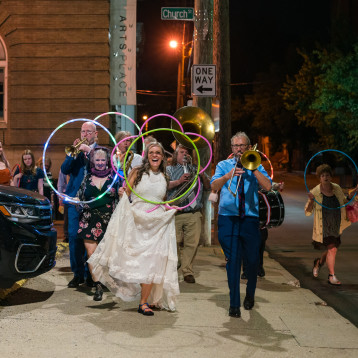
column 333, row 280
column 316, row 267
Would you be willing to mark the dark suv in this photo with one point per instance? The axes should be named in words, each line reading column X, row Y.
column 27, row 237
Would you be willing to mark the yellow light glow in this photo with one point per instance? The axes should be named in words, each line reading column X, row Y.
column 173, row 44
column 145, row 118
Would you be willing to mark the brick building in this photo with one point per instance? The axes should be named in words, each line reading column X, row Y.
column 54, row 66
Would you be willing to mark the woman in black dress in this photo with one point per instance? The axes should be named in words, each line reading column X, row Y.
column 96, row 215
column 330, row 219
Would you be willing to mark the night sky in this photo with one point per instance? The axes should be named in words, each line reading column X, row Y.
column 262, row 32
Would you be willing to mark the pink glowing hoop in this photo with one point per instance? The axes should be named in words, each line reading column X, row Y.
column 181, row 208
column 112, row 154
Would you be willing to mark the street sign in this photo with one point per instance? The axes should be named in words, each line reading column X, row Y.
column 177, row 13
column 203, row 80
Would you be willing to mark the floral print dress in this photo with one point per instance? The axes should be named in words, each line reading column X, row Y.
column 96, row 215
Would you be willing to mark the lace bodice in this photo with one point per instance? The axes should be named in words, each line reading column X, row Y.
column 152, row 187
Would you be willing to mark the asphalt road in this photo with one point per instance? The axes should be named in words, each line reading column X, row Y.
column 290, row 245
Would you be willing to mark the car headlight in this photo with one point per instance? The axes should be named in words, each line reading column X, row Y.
column 22, row 213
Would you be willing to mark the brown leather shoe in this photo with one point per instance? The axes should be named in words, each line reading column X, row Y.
column 189, row 279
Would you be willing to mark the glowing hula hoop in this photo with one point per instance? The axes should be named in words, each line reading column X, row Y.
column 112, row 154
column 66, row 197
column 330, row 150
column 193, row 183
column 125, row 116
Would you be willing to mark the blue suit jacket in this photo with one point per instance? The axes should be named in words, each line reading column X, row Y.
column 75, row 168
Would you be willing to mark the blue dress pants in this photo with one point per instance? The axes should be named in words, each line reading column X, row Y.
column 76, row 245
column 240, row 238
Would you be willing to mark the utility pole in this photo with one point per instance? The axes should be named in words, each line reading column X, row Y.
column 203, row 54
column 222, row 60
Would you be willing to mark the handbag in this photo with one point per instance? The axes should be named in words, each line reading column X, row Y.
column 352, row 212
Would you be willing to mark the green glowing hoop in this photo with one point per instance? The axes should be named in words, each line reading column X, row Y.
column 192, row 184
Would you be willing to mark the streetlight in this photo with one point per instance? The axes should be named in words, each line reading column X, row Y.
column 145, row 117
column 181, row 85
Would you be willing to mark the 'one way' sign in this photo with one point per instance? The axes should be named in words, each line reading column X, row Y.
column 203, row 80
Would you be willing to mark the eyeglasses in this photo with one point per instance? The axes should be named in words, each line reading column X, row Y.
column 87, row 132
column 239, row 145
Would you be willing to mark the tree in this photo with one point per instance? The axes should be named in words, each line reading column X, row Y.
column 324, row 95
column 336, row 98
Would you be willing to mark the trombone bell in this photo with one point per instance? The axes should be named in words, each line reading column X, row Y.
column 251, row 159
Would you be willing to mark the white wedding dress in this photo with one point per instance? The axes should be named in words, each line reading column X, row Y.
column 140, row 247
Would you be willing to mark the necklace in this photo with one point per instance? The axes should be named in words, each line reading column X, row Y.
column 156, row 173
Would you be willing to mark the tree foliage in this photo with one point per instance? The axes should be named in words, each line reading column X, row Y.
column 324, row 95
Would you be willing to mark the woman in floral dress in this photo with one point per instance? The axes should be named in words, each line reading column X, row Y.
column 96, row 215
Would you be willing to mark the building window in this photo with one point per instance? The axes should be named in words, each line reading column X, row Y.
column 3, row 82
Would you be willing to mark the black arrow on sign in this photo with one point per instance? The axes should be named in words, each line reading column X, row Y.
column 202, row 89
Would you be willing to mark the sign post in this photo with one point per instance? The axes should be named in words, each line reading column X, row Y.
column 203, row 80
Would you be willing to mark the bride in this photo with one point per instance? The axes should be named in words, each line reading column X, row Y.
column 137, row 256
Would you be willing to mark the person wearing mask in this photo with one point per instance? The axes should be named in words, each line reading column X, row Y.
column 95, row 216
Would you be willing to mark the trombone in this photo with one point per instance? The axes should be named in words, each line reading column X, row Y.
column 250, row 160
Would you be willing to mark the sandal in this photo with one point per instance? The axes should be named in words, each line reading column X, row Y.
column 154, row 307
column 145, row 310
column 333, row 280
column 316, row 267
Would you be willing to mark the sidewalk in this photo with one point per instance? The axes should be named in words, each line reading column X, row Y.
column 287, row 321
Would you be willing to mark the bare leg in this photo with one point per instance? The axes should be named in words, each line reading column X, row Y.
column 90, row 248
column 331, row 258
column 144, row 307
column 146, row 288
column 323, row 258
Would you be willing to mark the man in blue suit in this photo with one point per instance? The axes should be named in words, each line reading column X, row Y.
column 238, row 221
column 76, row 167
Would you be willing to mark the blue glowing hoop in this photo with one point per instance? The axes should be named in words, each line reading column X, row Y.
column 66, row 197
column 330, row 150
